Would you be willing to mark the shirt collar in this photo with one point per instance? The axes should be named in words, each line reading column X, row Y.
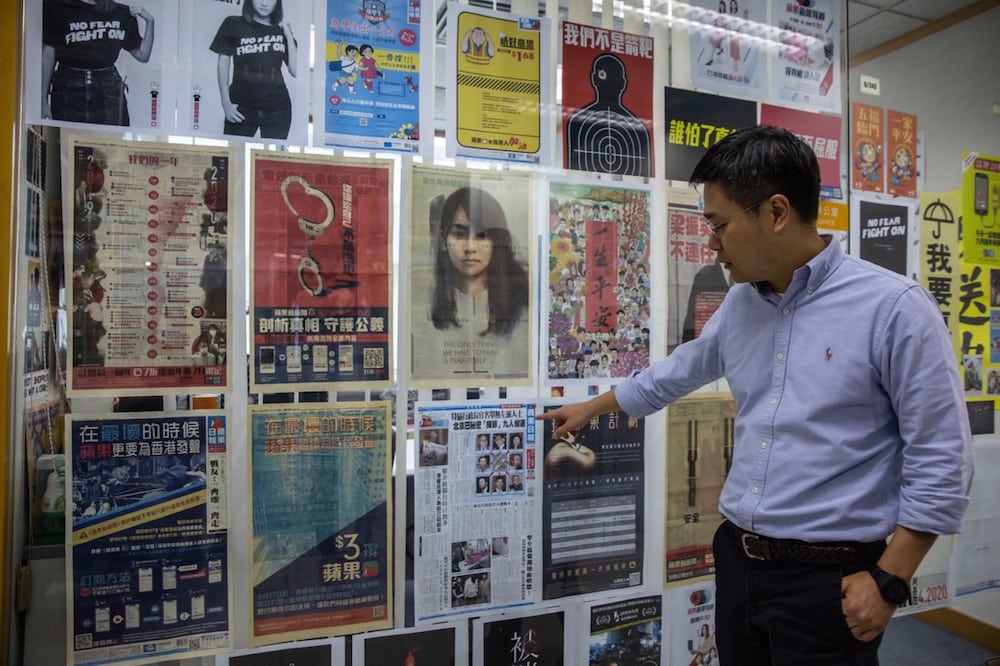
column 813, row 273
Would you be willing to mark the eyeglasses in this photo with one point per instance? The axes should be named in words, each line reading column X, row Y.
column 713, row 229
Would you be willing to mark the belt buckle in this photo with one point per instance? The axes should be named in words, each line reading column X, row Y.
column 748, row 538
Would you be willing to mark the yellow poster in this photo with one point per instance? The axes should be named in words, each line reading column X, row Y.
column 981, row 208
column 940, row 216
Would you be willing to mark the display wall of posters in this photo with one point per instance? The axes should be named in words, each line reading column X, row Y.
column 868, row 148
column 940, row 213
column 520, row 640
column 883, row 229
column 476, row 508
column 498, row 95
column 472, row 278
column 245, row 75
column 725, row 55
column 593, row 506
column 698, row 283
column 445, row 645
column 901, row 142
column 692, row 624
column 321, row 272
column 368, row 74
column 695, row 121
column 149, row 267
column 328, row 652
column 805, row 61
column 819, row 131
column 699, row 454
column 147, row 559
column 629, row 631
column 104, row 68
column 320, row 557
column 598, row 282
column 980, row 208
column 607, row 101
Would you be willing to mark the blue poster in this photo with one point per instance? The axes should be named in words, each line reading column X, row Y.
column 148, row 575
column 371, row 73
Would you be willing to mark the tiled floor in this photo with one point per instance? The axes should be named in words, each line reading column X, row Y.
column 912, row 642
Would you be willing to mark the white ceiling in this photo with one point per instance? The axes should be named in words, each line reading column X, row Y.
column 871, row 23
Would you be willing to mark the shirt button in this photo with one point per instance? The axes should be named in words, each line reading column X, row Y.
column 755, row 490
column 781, row 357
column 786, row 311
column 774, row 401
column 763, row 445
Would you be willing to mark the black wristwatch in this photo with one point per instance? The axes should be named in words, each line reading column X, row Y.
column 894, row 589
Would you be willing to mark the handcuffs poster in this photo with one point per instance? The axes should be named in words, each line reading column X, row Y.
column 700, row 445
column 472, row 275
column 498, row 90
column 598, row 282
column 149, row 266
column 805, row 65
column 97, row 67
column 147, row 557
column 320, row 522
column 368, row 73
column 476, row 506
column 321, row 273
column 593, row 506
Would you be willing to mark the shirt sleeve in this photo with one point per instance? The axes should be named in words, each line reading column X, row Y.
column 225, row 39
column 133, row 38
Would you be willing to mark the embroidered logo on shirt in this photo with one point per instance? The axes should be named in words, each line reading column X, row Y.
column 829, row 353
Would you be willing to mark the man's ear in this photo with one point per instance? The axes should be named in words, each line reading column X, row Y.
column 777, row 212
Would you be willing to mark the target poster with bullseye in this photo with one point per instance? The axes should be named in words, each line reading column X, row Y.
column 607, row 92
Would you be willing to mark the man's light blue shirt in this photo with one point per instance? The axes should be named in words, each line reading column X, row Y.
column 851, row 417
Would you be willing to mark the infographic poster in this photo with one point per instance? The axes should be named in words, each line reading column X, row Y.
column 725, row 55
column 321, row 272
column 805, row 63
column 320, row 522
column 147, row 517
column 980, row 208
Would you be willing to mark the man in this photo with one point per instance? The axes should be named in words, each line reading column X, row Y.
column 850, row 427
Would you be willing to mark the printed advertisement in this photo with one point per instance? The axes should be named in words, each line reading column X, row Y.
column 321, row 530
column 726, row 55
column 940, row 213
column 321, row 273
column 593, row 506
column 698, row 283
column 472, row 274
column 699, row 454
column 868, row 148
column 149, row 267
column 245, row 70
column 695, row 121
column 627, row 633
column 476, row 508
column 499, row 92
column 148, row 569
column 101, row 64
column 368, row 67
column 805, row 62
column 901, row 140
column 980, row 208
column 884, row 233
column 607, row 101
column 521, row 640
column 598, row 282
column 692, row 627
column 446, row 644
column 819, row 131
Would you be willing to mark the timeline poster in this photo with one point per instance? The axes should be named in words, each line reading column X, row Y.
column 149, row 266
column 321, row 273
column 607, row 101
column 695, row 122
column 472, row 277
column 598, row 282
column 520, row 640
column 320, row 523
column 368, row 66
column 699, row 456
column 628, row 632
column 499, row 101
column 692, row 624
column 476, row 519
column 805, row 61
column 980, row 208
column 726, row 54
column 819, row 131
column 593, row 506
column 148, row 569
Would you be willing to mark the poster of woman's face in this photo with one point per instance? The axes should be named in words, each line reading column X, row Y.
column 471, row 306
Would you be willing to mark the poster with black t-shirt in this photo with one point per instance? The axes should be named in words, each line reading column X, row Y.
column 100, row 66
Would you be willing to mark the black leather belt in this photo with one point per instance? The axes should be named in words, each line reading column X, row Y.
column 758, row 547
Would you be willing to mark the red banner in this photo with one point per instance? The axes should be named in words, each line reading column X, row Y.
column 901, row 138
column 602, row 279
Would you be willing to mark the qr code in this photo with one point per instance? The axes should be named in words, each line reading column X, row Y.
column 194, row 642
column 363, row 122
column 83, row 641
column 635, row 578
column 378, row 611
column 374, row 358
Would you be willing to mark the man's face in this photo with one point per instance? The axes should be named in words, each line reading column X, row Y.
column 741, row 243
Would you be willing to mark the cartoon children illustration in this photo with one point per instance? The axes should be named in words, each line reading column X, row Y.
column 348, row 66
column 369, row 68
column 477, row 44
column 867, row 161
column 902, row 165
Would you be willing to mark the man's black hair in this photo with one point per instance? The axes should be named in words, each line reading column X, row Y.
column 761, row 161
